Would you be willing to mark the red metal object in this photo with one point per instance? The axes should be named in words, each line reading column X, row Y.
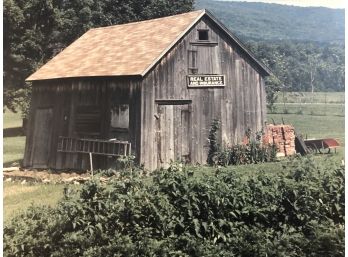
column 321, row 144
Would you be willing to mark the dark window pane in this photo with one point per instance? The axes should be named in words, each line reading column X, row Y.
column 203, row 35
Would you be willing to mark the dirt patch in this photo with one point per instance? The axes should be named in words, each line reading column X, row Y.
column 44, row 176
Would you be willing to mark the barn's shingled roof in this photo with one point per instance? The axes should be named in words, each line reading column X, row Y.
column 123, row 50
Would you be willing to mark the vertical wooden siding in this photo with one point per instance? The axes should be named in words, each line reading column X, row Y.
column 239, row 105
column 65, row 96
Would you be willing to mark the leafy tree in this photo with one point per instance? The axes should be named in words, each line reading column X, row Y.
column 272, row 86
column 29, row 27
column 313, row 63
column 303, row 66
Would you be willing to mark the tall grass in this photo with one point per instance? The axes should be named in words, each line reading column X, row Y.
column 18, row 197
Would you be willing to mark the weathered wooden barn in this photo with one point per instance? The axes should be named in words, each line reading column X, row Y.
column 153, row 86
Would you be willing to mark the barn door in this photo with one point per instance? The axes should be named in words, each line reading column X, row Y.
column 42, row 137
column 173, row 134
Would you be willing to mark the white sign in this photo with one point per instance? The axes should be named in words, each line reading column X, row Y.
column 206, row 80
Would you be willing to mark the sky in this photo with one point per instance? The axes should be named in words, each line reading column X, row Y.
column 324, row 3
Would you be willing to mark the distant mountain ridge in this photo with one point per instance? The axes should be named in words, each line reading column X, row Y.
column 274, row 22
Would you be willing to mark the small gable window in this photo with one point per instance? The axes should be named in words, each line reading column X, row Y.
column 192, row 62
column 203, row 34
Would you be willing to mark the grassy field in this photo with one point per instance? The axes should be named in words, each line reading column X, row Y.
column 318, row 109
column 315, row 127
column 18, row 197
column 269, row 168
column 14, row 139
column 324, row 118
column 13, row 150
column 308, row 97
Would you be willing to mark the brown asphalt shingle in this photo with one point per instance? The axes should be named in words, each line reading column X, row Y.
column 128, row 49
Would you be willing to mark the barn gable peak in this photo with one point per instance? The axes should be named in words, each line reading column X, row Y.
column 131, row 49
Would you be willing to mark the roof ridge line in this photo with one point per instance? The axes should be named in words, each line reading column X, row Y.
column 145, row 21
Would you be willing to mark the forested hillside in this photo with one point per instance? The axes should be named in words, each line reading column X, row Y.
column 304, row 47
column 278, row 22
column 303, row 66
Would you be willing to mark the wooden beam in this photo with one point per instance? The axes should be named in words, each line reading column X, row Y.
column 173, row 101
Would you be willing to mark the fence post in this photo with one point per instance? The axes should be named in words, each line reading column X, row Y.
column 91, row 162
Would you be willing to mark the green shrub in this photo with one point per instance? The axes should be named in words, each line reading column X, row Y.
column 298, row 211
column 253, row 151
column 213, row 142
